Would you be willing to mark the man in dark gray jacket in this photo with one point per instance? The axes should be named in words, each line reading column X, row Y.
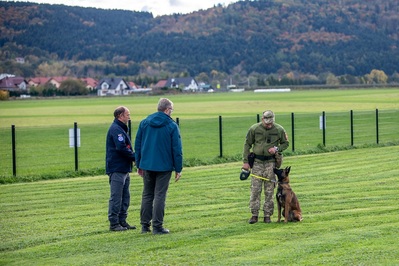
column 119, row 158
column 158, row 152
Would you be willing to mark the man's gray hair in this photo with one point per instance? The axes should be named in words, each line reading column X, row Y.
column 163, row 104
column 119, row 110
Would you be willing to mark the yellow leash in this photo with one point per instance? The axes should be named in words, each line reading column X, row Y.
column 263, row 178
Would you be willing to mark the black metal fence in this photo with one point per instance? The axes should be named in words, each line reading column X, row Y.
column 44, row 150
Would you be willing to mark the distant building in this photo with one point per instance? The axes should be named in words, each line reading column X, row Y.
column 186, row 84
column 4, row 75
column 133, row 85
column 13, row 84
column 90, row 83
column 204, row 87
column 20, row 60
column 56, row 81
column 37, row 81
column 112, row 86
column 161, row 84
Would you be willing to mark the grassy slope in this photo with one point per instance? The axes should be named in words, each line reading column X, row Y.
column 349, row 202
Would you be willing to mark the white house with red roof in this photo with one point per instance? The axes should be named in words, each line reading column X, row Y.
column 90, row 83
column 38, row 81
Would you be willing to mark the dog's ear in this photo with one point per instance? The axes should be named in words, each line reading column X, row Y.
column 287, row 169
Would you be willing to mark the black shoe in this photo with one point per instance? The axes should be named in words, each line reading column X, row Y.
column 145, row 229
column 266, row 219
column 117, row 227
column 160, row 231
column 254, row 219
column 128, row 226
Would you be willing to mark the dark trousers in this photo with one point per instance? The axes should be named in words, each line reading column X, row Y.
column 119, row 200
column 155, row 188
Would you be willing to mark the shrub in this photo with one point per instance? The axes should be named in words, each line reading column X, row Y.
column 4, row 95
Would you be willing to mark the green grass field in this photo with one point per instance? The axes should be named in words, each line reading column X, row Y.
column 348, row 198
column 66, row 111
column 42, row 125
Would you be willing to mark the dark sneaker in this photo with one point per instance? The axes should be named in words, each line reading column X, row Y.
column 267, row 219
column 117, row 227
column 128, row 226
column 145, row 229
column 254, row 219
column 160, row 231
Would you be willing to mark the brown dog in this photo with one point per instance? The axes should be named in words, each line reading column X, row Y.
column 286, row 198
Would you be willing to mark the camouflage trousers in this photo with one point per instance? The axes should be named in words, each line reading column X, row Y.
column 262, row 169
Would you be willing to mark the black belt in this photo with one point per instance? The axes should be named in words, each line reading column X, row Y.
column 264, row 158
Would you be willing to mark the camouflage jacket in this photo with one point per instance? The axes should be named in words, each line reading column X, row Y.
column 259, row 140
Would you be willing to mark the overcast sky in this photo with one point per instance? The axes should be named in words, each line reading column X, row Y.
column 157, row 7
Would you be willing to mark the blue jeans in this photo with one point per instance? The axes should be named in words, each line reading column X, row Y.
column 156, row 186
column 119, row 200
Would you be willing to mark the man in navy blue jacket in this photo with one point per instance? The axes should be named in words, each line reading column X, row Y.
column 119, row 158
column 158, row 152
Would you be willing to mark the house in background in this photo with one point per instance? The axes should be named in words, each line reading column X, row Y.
column 205, row 87
column 186, row 84
column 161, row 84
column 20, row 60
column 133, row 85
column 38, row 81
column 56, row 81
column 90, row 83
column 112, row 86
column 12, row 83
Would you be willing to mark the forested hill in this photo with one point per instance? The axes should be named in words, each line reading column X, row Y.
column 270, row 36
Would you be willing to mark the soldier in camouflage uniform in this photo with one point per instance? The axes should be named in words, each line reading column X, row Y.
column 266, row 139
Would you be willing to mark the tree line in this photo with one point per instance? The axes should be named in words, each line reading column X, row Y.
column 274, row 42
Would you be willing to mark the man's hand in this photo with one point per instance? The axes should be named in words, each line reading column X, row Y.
column 273, row 150
column 177, row 177
column 140, row 172
column 245, row 166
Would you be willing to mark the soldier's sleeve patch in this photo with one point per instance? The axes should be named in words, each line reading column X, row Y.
column 120, row 137
column 286, row 136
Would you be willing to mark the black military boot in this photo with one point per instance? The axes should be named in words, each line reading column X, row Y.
column 254, row 219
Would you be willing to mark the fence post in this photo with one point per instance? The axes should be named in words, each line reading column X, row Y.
column 75, row 143
column 220, row 136
column 324, row 128
column 129, row 129
column 351, row 115
column 14, row 160
column 376, row 126
column 178, row 121
column 293, row 131
column 257, row 118
column 129, row 126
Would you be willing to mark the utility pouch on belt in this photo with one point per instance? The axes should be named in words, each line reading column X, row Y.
column 251, row 159
column 279, row 159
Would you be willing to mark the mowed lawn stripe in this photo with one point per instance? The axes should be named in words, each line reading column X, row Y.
column 349, row 205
